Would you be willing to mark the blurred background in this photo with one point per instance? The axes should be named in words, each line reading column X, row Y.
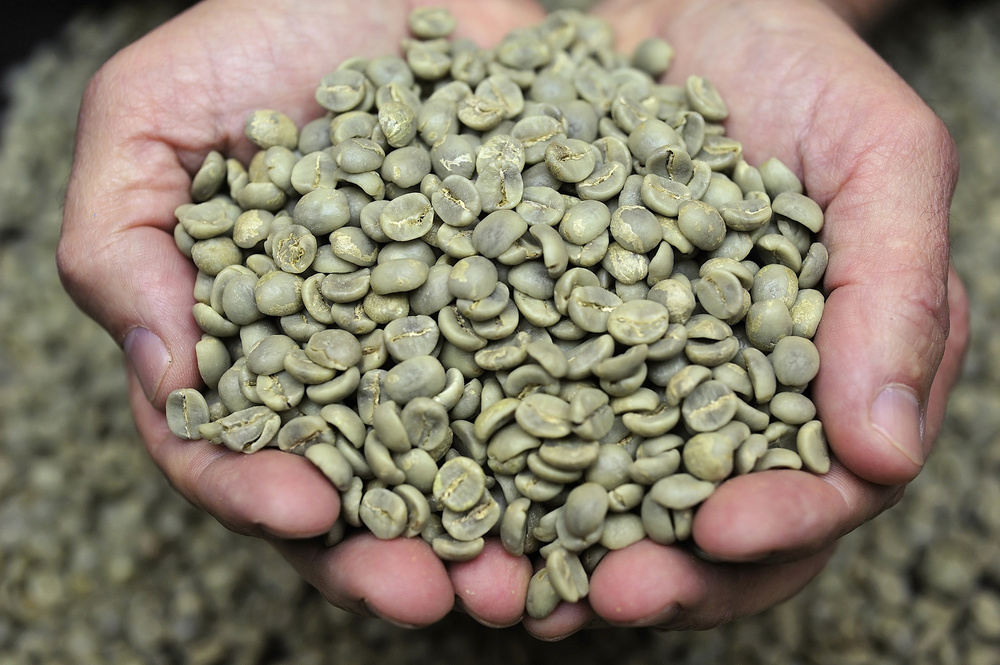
column 102, row 562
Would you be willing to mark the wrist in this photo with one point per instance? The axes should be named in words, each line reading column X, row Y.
column 862, row 14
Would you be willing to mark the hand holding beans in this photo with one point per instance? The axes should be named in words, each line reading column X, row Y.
column 347, row 557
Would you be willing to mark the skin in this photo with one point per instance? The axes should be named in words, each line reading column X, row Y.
column 867, row 149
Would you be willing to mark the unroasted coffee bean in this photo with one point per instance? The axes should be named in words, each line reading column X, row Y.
column 422, row 376
column 795, row 361
column 812, row 448
column 473, row 523
column 460, row 484
column 681, row 491
column 523, row 291
column 383, row 513
column 187, row 410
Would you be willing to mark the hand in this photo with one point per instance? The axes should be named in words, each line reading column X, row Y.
column 800, row 85
column 135, row 155
column 147, row 120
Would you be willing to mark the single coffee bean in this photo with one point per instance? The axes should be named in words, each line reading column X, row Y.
column 384, row 513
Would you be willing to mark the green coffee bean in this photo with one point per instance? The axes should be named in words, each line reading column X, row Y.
column 434, row 232
column 653, row 55
column 778, row 458
column 303, row 432
column 569, row 160
column 459, row 484
column 474, row 523
column 543, row 416
column 542, row 598
column 248, row 430
column 346, row 287
column 410, row 337
column 457, row 202
column 708, row 456
column 332, row 463
column 570, row 454
column 635, row 228
column 384, row 513
column 622, row 530
column 657, row 521
column 513, row 526
column 792, row 408
column 705, row 99
column 426, row 422
column 431, row 22
column 266, row 128
column 812, row 447
column 648, row 470
column 795, row 361
column 638, row 322
column 279, row 293
column 453, row 155
column 407, row 217
column 799, row 208
column 380, row 461
column 418, row 467
column 814, row 265
column 186, row 410
column 625, row 497
column 422, row 376
column 495, row 233
column 709, row 406
column 680, row 491
column 665, row 197
column 473, row 278
column 387, row 422
column 767, row 322
column 336, row 349
column 590, row 307
column 650, row 135
column 398, row 276
column 418, row 509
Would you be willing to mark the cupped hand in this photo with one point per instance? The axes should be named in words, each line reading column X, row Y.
column 147, row 120
column 801, row 86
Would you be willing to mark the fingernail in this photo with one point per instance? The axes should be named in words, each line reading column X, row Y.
column 896, row 414
column 658, row 620
column 148, row 356
column 378, row 615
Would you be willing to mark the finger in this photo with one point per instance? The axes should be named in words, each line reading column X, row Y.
column 782, row 515
column 400, row 580
column 886, row 322
column 567, row 619
column 269, row 493
column 954, row 353
column 647, row 584
column 492, row 587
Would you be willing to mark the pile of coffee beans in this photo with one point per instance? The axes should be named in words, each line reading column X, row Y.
column 525, row 292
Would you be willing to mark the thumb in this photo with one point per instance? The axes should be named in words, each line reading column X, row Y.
column 116, row 255
column 886, row 323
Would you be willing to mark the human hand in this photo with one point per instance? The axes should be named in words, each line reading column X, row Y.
column 147, row 120
column 278, row 496
column 800, row 85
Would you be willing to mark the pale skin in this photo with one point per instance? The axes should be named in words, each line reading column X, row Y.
column 867, row 149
